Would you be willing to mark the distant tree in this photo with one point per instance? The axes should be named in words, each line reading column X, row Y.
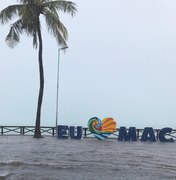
column 29, row 13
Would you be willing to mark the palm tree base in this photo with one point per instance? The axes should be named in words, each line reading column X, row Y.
column 38, row 136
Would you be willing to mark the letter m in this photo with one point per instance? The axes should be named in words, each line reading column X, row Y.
column 127, row 136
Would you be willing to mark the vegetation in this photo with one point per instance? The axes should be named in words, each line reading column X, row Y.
column 29, row 14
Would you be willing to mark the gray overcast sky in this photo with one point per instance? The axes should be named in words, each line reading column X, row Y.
column 121, row 63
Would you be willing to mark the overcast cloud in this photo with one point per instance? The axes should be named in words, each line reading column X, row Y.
column 121, row 63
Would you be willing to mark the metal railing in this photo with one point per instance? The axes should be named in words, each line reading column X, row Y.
column 26, row 130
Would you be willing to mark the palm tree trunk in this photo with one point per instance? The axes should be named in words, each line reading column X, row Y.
column 37, row 133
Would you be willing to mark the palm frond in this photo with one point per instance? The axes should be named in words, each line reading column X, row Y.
column 56, row 28
column 13, row 36
column 7, row 13
column 31, row 30
column 35, row 42
column 28, row 1
column 65, row 6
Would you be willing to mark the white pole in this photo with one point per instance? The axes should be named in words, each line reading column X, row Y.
column 57, row 95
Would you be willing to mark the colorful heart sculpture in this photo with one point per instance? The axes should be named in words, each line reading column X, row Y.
column 101, row 129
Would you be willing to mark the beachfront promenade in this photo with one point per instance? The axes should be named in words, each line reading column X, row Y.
column 51, row 131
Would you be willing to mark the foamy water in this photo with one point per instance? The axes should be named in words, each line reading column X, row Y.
column 23, row 158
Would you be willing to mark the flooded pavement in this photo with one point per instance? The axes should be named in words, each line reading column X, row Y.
column 23, row 157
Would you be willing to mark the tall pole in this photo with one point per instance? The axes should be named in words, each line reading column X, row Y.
column 57, row 93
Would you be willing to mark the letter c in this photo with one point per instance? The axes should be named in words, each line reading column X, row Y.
column 162, row 135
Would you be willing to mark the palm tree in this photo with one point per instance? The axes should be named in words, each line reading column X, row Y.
column 29, row 13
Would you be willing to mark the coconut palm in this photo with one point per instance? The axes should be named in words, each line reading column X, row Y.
column 29, row 14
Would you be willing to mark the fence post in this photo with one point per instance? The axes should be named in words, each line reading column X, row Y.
column 157, row 134
column 1, row 130
column 137, row 130
column 21, row 130
column 53, row 131
column 85, row 132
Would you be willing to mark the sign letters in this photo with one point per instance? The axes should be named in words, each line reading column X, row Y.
column 123, row 134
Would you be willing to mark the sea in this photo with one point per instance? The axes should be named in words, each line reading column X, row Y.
column 49, row 158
